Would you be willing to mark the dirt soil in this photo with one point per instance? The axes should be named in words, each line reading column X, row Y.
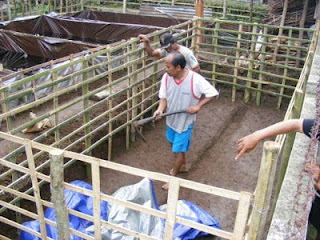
column 211, row 159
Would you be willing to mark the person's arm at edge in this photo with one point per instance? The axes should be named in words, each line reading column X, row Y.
column 249, row 142
column 146, row 42
column 196, row 69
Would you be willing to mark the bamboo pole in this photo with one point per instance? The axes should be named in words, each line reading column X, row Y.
column 247, row 93
column 236, row 63
column 215, row 50
column 301, row 25
column 285, row 72
column 56, row 176
column 261, row 68
column 54, row 77
column 283, row 18
column 36, row 189
column 264, row 189
column 110, row 104
column 224, row 15
column 128, row 103
column 134, row 90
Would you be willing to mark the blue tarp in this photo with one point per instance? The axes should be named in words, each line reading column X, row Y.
column 141, row 193
column 75, row 201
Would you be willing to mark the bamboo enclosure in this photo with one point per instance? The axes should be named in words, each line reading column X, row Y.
column 246, row 59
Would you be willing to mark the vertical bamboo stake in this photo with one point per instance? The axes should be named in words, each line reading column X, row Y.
column 154, row 80
column 264, row 189
column 110, row 105
column 9, row 9
column 134, row 88
column 224, row 14
column 236, row 64
column 247, row 92
column 96, row 200
column 55, row 5
column 86, row 115
column 22, row 6
column 242, row 215
column 283, row 18
column 301, row 25
column 56, row 176
column 30, row 7
column 285, row 71
column 173, row 195
column 81, row 5
column 199, row 14
column 54, row 77
column 124, row 9
column 49, row 5
column 61, row 2
column 173, row 2
column 215, row 50
column 2, row 13
column 36, row 189
column 129, row 102
column 194, row 33
column 262, row 65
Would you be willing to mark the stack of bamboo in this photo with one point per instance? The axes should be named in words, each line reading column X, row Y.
column 294, row 12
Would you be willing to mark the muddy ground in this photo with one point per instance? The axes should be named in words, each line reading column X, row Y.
column 211, row 159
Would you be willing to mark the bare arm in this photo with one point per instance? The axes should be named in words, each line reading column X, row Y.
column 196, row 69
column 151, row 52
column 249, row 142
column 162, row 106
column 202, row 102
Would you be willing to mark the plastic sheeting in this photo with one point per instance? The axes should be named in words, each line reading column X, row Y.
column 79, row 29
column 128, row 18
column 142, row 193
column 75, row 201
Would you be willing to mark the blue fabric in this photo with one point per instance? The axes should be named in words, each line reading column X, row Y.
column 75, row 201
column 197, row 214
column 180, row 141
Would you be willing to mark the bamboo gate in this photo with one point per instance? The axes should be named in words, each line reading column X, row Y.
column 232, row 60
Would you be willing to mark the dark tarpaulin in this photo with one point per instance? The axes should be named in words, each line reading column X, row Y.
column 128, row 18
column 24, row 50
column 79, row 29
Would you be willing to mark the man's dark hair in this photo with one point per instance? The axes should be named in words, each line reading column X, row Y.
column 178, row 59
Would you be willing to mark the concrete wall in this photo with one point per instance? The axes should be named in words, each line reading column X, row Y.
column 291, row 205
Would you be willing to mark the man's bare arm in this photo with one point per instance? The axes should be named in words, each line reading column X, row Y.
column 151, row 52
column 249, row 142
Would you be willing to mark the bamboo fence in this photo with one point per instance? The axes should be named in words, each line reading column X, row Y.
column 57, row 156
column 230, row 60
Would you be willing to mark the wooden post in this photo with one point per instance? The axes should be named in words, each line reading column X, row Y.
column 199, row 14
column 36, row 189
column 173, row 195
column 96, row 199
column 236, row 63
column 264, row 189
column 56, row 176
column 297, row 106
column 128, row 97
column 242, row 215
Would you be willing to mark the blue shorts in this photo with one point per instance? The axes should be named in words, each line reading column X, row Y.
column 180, row 141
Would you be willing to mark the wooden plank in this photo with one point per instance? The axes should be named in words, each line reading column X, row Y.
column 36, row 190
column 96, row 199
column 242, row 215
column 173, row 195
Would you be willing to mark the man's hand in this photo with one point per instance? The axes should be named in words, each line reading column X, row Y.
column 157, row 114
column 246, row 144
column 193, row 109
column 143, row 38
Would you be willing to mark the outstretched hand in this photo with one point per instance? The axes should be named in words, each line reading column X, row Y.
column 157, row 114
column 246, row 144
